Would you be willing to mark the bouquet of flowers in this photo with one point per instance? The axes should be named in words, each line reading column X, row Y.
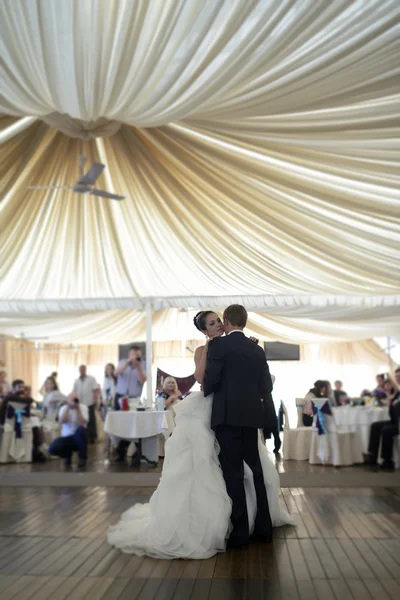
column 379, row 395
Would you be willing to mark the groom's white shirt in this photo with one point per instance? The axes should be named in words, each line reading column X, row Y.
column 235, row 331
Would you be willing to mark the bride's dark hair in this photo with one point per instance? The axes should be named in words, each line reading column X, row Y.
column 200, row 319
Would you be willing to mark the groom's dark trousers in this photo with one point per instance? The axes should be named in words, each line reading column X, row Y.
column 238, row 374
column 240, row 444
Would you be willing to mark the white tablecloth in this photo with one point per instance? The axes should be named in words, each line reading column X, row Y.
column 35, row 421
column 133, row 425
column 359, row 419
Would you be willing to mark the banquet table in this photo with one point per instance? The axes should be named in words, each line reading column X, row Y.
column 139, row 426
column 359, row 419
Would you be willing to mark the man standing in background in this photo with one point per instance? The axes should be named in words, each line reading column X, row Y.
column 131, row 373
column 87, row 390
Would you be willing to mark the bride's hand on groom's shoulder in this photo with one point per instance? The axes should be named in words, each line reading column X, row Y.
column 254, row 339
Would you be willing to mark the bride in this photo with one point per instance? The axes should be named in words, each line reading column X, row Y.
column 188, row 515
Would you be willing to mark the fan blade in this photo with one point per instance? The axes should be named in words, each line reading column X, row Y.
column 48, row 187
column 94, row 173
column 104, row 194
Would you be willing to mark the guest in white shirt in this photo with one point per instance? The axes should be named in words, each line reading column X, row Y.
column 73, row 417
column 87, row 390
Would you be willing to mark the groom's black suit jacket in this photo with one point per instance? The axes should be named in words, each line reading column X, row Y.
column 238, row 374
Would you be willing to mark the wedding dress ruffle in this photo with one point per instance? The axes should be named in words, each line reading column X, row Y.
column 188, row 516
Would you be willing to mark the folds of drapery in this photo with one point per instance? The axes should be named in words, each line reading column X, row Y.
column 148, row 63
column 270, row 166
column 199, row 220
column 125, row 326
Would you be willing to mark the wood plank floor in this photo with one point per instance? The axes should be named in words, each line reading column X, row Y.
column 346, row 546
column 97, row 464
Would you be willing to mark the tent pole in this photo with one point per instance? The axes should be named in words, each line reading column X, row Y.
column 149, row 353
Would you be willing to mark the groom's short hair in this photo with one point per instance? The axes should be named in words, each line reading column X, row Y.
column 236, row 315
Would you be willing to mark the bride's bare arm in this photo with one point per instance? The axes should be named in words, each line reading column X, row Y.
column 200, row 360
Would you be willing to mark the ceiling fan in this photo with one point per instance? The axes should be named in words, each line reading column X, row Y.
column 85, row 183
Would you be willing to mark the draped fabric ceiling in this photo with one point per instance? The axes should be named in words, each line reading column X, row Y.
column 257, row 144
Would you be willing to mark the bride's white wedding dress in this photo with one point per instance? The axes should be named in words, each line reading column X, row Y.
column 188, row 516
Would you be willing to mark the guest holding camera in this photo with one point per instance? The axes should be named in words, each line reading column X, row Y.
column 131, row 373
column 73, row 417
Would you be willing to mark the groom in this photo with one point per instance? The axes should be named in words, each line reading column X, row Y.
column 238, row 374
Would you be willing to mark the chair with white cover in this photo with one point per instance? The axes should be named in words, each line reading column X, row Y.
column 330, row 445
column 17, row 438
column 296, row 442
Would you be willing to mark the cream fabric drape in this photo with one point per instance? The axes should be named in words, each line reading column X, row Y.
column 65, row 360
column 257, row 144
column 147, row 63
column 125, row 326
column 20, row 360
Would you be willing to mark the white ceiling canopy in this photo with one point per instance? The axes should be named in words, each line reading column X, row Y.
column 257, row 145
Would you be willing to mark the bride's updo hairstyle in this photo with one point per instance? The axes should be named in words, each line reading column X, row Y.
column 200, row 319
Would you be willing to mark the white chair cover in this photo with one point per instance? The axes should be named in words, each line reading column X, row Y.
column 300, row 406
column 296, row 442
column 14, row 449
column 334, row 447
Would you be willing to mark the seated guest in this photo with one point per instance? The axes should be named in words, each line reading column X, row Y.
column 320, row 390
column 389, row 389
column 52, row 400
column 385, row 432
column 170, row 392
column 28, row 391
column 379, row 392
column 54, row 376
column 19, row 394
column 339, row 395
column 73, row 417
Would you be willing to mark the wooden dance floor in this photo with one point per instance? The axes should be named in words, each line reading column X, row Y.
column 346, row 546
